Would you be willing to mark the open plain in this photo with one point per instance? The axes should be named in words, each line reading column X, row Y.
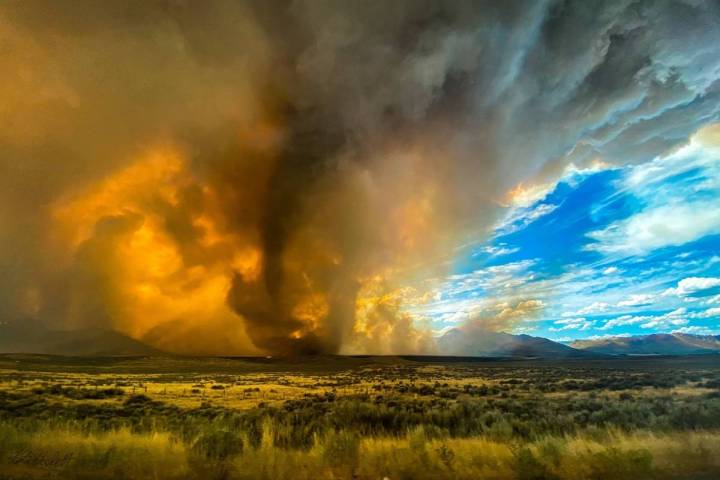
column 359, row 417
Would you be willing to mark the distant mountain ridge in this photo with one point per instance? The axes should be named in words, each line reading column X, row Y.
column 32, row 337
column 653, row 344
column 485, row 343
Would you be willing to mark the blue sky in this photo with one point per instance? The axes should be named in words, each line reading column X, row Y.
column 603, row 252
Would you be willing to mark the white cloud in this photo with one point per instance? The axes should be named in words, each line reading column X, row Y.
column 695, row 330
column 566, row 321
column 610, row 270
column 499, row 250
column 458, row 316
column 493, row 278
column 595, row 307
column 624, row 321
column 609, row 335
column 676, row 317
column 693, row 285
column 710, row 313
column 636, row 300
column 677, row 208
column 572, row 324
column 658, row 227
column 519, row 218
column 660, row 323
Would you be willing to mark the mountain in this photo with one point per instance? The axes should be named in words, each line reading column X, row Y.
column 477, row 342
column 658, row 344
column 29, row 336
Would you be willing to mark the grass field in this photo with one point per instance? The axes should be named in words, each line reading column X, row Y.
column 359, row 417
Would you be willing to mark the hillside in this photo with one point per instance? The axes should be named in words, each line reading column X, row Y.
column 32, row 337
column 657, row 344
column 484, row 343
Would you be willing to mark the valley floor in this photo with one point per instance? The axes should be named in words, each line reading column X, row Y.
column 359, row 417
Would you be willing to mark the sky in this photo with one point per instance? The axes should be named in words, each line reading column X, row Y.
column 311, row 176
column 606, row 251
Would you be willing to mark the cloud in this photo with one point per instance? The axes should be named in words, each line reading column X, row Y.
column 581, row 324
column 710, row 313
column 660, row 324
column 637, row 300
column 603, row 337
column 622, row 321
column 695, row 330
column 519, row 218
column 595, row 307
column 675, row 317
column 659, row 227
column 500, row 250
column 694, row 286
column 676, row 196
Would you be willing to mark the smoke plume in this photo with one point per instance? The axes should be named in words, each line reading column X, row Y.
column 269, row 177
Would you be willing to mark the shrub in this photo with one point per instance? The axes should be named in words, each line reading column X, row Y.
column 218, row 444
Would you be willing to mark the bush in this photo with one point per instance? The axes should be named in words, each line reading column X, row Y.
column 218, row 444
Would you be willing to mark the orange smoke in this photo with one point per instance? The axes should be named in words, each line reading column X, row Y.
column 152, row 290
column 154, row 177
column 381, row 326
column 172, row 258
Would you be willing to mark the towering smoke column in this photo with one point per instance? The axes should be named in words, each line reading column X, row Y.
column 277, row 177
column 288, row 307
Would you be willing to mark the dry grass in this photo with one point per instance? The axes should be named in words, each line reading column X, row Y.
column 392, row 420
column 123, row 454
column 72, row 454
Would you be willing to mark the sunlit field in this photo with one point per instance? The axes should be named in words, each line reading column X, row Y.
column 359, row 417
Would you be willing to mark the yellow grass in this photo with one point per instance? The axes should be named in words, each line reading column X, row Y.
column 105, row 455
column 123, row 454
